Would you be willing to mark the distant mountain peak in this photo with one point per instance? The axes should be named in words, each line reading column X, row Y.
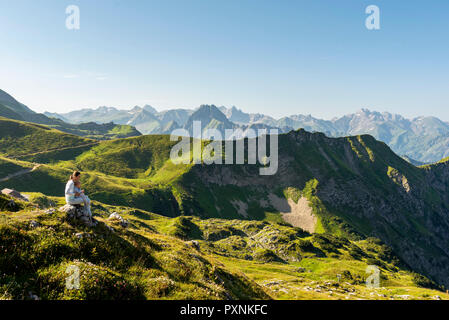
column 149, row 108
column 210, row 117
column 136, row 109
column 237, row 115
column 105, row 109
column 210, row 111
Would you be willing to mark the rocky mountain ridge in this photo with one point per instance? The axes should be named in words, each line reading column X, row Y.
column 424, row 139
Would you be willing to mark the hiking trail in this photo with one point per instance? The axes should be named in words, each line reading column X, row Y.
column 20, row 173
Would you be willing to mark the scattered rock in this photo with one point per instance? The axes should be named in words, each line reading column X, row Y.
column 116, row 216
column 81, row 235
column 195, row 244
column 34, row 224
column 50, row 211
column 272, row 283
column 15, row 194
column 33, row 296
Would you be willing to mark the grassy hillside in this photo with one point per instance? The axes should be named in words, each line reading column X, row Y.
column 154, row 258
column 7, row 112
column 133, row 263
column 8, row 166
column 18, row 138
column 353, row 187
column 92, row 130
column 127, row 158
column 51, row 180
column 12, row 109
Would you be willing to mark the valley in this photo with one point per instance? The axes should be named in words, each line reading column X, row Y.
column 339, row 183
column 334, row 207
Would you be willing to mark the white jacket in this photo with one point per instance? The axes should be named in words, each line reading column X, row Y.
column 69, row 191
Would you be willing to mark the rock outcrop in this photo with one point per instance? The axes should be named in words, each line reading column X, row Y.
column 78, row 213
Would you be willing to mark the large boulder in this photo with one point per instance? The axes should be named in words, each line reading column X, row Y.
column 78, row 213
column 68, row 209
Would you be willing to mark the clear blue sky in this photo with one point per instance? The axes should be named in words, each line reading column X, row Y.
column 275, row 57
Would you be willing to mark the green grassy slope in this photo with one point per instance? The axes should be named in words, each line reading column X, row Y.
column 127, row 158
column 51, row 179
column 105, row 131
column 11, row 109
column 133, row 263
column 7, row 112
column 18, row 138
column 154, row 258
column 356, row 187
column 8, row 166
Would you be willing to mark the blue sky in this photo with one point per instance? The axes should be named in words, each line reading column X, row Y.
column 274, row 57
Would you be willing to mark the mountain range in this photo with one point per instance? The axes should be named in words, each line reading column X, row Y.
column 421, row 139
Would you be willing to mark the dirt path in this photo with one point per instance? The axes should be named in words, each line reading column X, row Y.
column 37, row 165
column 20, row 173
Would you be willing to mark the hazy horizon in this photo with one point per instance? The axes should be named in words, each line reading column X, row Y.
column 159, row 109
column 243, row 110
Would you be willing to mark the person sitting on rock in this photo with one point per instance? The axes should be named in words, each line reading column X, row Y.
column 84, row 197
column 73, row 193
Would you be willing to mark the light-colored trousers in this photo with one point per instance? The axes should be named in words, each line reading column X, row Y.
column 82, row 199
